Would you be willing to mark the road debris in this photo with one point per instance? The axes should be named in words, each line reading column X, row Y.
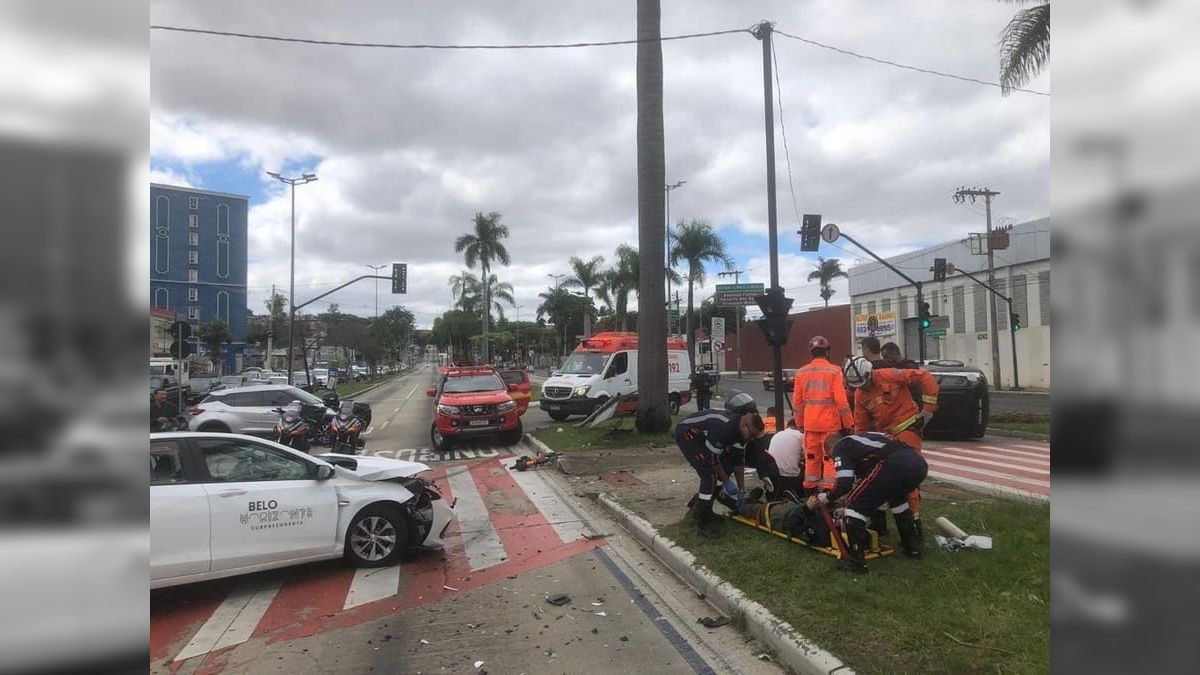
column 712, row 621
column 424, row 641
column 558, row 600
column 450, row 588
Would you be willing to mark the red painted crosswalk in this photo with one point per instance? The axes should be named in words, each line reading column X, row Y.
column 1011, row 466
column 509, row 522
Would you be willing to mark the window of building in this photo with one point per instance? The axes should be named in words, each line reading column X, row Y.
column 981, row 310
column 870, row 307
column 162, row 298
column 958, row 297
column 194, row 238
column 223, row 240
column 904, row 306
column 223, row 306
column 193, row 220
column 1044, row 296
column 885, row 305
column 162, row 233
column 193, row 276
column 857, row 310
column 193, row 202
column 1020, row 298
column 1001, row 306
column 194, row 312
column 193, row 257
column 193, row 294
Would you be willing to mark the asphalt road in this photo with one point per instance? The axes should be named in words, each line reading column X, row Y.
column 484, row 599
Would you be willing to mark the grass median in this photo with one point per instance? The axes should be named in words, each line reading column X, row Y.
column 611, row 435
column 952, row 612
column 1033, row 422
column 350, row 389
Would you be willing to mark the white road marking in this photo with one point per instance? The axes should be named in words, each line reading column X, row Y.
column 234, row 620
column 397, row 409
column 381, row 426
column 562, row 518
column 984, row 472
column 1039, row 448
column 990, row 487
column 369, row 430
column 996, row 451
column 483, row 546
column 988, row 462
column 371, row 584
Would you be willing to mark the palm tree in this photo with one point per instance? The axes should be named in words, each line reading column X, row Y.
column 465, row 289
column 827, row 270
column 696, row 243
column 561, row 307
column 497, row 291
column 588, row 275
column 623, row 280
column 653, row 415
column 484, row 246
column 605, row 291
column 1024, row 45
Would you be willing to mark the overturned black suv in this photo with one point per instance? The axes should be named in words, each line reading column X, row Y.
column 962, row 400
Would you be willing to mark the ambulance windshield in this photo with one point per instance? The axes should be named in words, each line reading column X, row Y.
column 584, row 363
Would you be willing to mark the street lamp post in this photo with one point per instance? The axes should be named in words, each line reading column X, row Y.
column 377, row 268
column 667, row 267
column 304, row 178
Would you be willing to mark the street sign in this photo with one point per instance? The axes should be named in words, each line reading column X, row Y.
column 181, row 330
column 950, row 268
column 830, row 233
column 717, row 346
column 935, row 332
column 400, row 277
column 737, row 295
column 181, row 349
column 718, row 330
column 810, row 232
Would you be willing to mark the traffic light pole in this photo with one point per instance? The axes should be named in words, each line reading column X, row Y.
column 1012, row 328
column 902, row 275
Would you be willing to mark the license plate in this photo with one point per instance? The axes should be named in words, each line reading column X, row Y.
column 478, row 423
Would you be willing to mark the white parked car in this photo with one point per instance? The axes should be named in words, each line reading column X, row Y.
column 228, row 504
column 247, row 410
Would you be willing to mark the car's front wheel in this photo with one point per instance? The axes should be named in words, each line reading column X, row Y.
column 514, row 436
column 376, row 537
column 438, row 439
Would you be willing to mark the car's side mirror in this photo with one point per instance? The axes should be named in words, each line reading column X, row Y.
column 324, row 472
column 432, row 391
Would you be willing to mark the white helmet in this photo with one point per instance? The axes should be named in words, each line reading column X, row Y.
column 857, row 371
column 741, row 403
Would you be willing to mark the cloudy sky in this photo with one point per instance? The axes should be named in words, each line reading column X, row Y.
column 409, row 144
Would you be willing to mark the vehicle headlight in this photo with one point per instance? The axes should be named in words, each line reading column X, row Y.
column 447, row 409
column 506, row 406
column 583, row 390
column 971, row 377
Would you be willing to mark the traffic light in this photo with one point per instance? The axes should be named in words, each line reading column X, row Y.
column 1016, row 320
column 939, row 269
column 775, row 325
column 399, row 277
column 924, row 316
column 810, row 232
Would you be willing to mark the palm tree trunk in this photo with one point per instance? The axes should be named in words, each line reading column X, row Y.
column 653, row 415
column 622, row 307
column 691, row 331
column 587, row 313
column 487, row 311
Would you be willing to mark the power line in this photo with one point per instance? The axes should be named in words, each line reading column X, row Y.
column 394, row 45
column 894, row 64
column 787, row 155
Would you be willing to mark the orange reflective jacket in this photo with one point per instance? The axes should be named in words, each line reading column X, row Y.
column 819, row 398
column 886, row 404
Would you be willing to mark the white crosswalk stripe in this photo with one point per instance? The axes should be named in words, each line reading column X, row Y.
column 371, row 584
column 482, row 543
column 430, row 456
column 558, row 513
column 234, row 620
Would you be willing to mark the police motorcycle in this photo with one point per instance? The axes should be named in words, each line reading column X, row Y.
column 347, row 427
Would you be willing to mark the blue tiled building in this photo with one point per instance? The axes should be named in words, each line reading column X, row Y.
column 198, row 259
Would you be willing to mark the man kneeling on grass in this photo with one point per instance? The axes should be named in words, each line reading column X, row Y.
column 714, row 443
column 886, row 471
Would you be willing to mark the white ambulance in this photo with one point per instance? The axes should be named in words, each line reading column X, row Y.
column 604, row 366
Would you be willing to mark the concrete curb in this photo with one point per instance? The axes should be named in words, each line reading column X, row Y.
column 1016, row 433
column 791, row 649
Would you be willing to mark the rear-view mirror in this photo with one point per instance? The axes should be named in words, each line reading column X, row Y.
column 324, row 472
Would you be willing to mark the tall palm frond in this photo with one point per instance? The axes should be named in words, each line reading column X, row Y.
column 1024, row 46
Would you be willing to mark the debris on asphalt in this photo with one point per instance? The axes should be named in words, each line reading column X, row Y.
column 478, row 665
column 624, row 639
column 764, row 657
column 558, row 600
column 597, row 604
column 450, row 588
column 712, row 622
column 601, row 613
column 593, row 537
column 424, row 641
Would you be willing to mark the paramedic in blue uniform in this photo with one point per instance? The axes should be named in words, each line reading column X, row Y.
column 872, row 469
column 714, row 442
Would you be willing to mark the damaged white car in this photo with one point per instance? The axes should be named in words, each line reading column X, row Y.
column 228, row 504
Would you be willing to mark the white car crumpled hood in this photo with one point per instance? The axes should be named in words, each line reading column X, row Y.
column 378, row 468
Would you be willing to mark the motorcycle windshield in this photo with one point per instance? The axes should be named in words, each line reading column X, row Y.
column 292, row 412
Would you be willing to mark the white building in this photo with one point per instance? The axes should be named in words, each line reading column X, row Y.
column 960, row 306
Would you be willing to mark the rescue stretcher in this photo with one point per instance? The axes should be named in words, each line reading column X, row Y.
column 763, row 523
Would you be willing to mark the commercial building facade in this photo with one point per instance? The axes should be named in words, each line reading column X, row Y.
column 885, row 305
column 198, row 260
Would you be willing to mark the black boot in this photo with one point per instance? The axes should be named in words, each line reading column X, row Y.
column 704, row 519
column 879, row 522
column 911, row 537
column 856, row 546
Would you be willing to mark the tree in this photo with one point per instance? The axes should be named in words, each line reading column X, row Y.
column 497, row 291
column 393, row 332
column 827, row 270
column 277, row 311
column 1024, row 45
column 565, row 310
column 484, row 245
column 695, row 243
column 653, row 415
column 465, row 289
column 587, row 275
column 214, row 335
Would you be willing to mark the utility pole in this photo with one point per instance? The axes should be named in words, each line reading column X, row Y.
column 737, row 279
column 668, row 189
column 1012, row 327
column 303, row 179
column 270, row 329
column 377, row 268
column 961, row 195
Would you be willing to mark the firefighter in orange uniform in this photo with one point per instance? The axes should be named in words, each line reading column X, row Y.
column 882, row 402
column 769, row 421
column 820, row 406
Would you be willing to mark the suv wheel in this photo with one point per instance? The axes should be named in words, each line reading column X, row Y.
column 558, row 415
column 438, row 440
column 216, row 427
column 514, row 436
column 376, row 537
